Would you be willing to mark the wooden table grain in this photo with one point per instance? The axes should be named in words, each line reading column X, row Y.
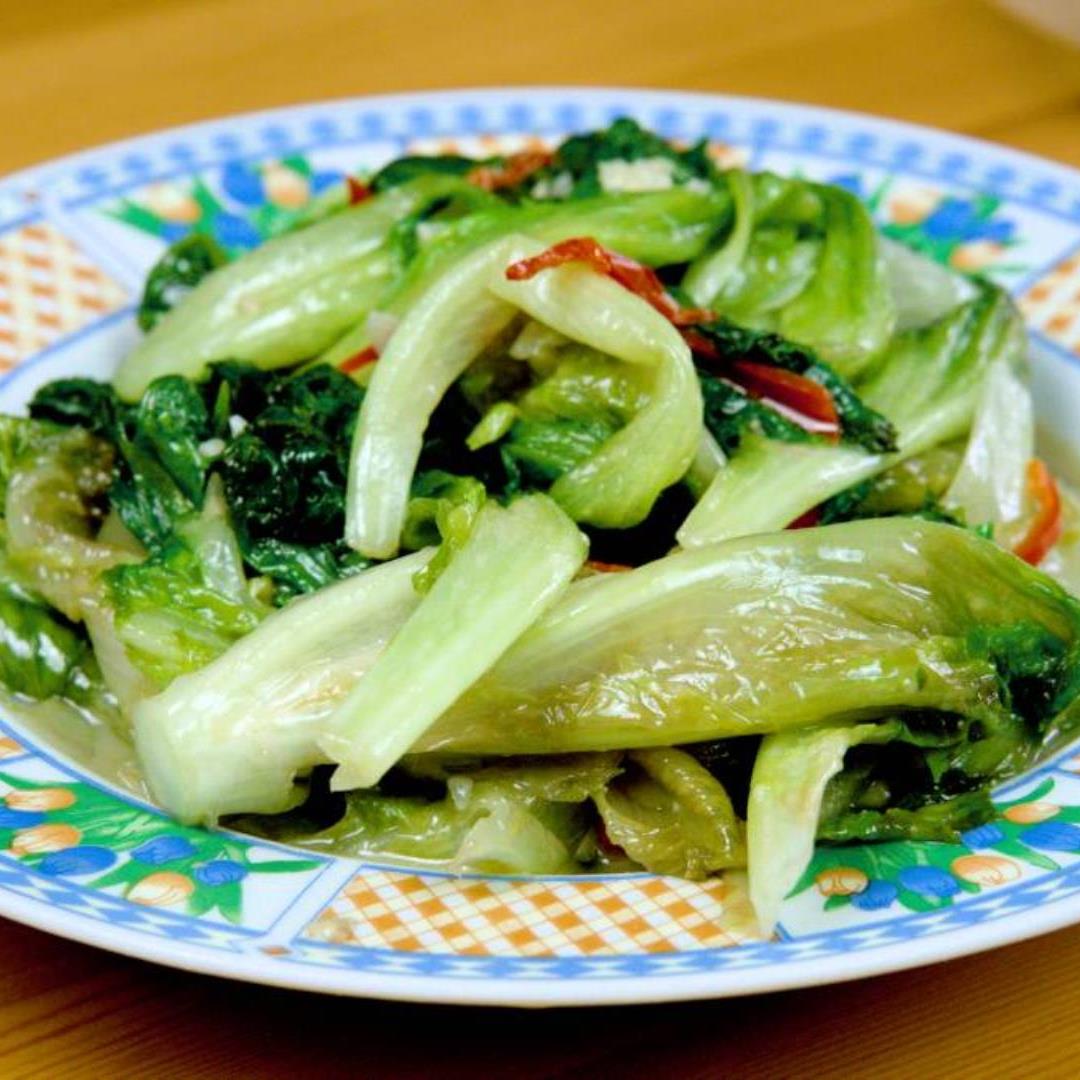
column 78, row 72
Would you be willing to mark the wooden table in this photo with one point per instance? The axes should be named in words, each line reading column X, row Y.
column 78, row 72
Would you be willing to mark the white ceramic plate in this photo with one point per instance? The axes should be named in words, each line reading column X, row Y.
column 82, row 859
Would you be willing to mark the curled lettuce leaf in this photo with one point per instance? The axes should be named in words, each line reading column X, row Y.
column 187, row 603
column 53, row 481
column 671, row 815
column 769, row 633
column 434, row 343
column 804, row 260
column 845, row 313
column 990, row 483
column 615, row 486
column 928, row 384
column 521, row 817
column 790, row 774
column 922, row 290
column 655, row 227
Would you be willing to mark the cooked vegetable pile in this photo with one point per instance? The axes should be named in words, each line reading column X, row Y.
column 588, row 510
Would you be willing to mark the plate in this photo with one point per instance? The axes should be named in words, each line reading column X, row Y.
column 81, row 858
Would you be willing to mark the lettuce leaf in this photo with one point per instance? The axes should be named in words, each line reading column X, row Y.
column 671, row 815
column 521, row 817
column 786, row 791
column 928, row 384
column 232, row 736
column 513, row 565
column 188, row 602
column 768, row 633
column 285, row 301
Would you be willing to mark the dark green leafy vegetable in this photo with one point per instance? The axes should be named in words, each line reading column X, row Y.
column 403, row 169
column 83, row 403
column 860, row 424
column 730, row 413
column 172, row 421
column 285, row 472
column 158, row 472
column 42, row 655
column 279, row 441
column 575, row 167
column 582, row 156
column 537, row 452
column 301, row 568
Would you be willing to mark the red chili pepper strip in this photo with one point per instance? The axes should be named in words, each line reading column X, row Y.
column 1045, row 528
column 511, row 172
column 801, row 400
column 701, row 345
column 801, row 395
column 639, row 279
column 607, row 567
column 358, row 190
column 809, row 520
column 359, row 360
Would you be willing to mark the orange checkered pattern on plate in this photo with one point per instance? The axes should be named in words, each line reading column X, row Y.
column 1052, row 304
column 497, row 917
column 48, row 288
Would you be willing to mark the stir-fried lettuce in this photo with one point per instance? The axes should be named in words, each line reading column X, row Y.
column 513, row 565
column 232, row 736
column 671, row 815
column 613, row 347
column 928, row 384
column 768, row 633
column 791, row 772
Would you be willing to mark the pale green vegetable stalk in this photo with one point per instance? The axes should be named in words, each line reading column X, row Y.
column 124, row 680
column 928, row 384
column 708, row 275
column 232, row 736
column 434, row 343
column 761, row 634
column 656, row 227
column 617, row 486
column 288, row 299
column 922, row 290
column 709, row 459
column 514, row 564
column 788, row 783
column 990, row 483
